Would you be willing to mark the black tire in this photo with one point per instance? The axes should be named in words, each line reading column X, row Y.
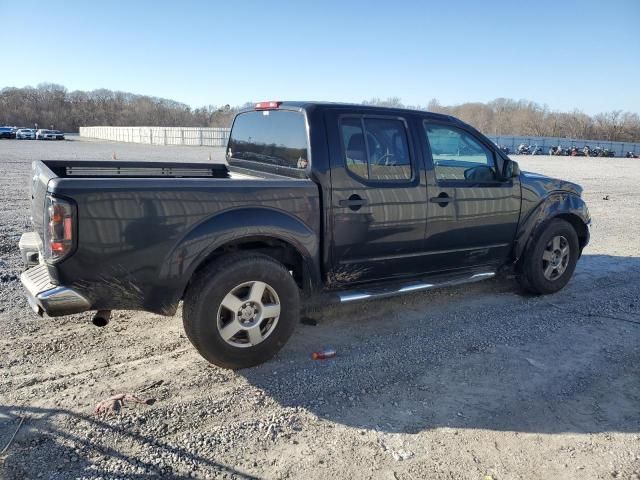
column 532, row 275
column 203, row 309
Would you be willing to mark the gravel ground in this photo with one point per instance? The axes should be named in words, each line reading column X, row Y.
column 459, row 383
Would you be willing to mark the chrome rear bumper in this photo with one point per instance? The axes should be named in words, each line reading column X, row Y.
column 54, row 300
column 44, row 296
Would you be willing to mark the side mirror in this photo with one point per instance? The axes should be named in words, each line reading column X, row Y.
column 510, row 169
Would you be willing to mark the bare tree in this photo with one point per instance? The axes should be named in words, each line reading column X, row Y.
column 389, row 102
column 504, row 116
column 52, row 104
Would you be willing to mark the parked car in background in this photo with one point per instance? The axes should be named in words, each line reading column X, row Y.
column 43, row 134
column 7, row 132
column 26, row 134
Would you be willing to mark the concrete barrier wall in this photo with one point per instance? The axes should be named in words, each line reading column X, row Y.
column 214, row 137
column 217, row 137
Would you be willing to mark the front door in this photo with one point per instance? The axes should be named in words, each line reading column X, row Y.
column 473, row 212
column 378, row 207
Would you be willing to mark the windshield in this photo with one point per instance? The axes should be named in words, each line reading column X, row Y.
column 276, row 137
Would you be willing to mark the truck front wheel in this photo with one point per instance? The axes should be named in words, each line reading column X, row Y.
column 241, row 309
column 551, row 258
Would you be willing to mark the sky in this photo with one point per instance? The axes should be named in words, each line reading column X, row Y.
column 565, row 54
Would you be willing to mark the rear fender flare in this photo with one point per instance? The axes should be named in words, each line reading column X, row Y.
column 233, row 225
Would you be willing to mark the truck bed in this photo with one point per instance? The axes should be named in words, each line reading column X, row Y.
column 140, row 225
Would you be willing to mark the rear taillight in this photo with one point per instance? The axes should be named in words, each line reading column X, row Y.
column 59, row 231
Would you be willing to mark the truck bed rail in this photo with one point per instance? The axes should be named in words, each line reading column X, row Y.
column 136, row 169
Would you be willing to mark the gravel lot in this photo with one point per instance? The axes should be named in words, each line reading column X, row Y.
column 459, row 383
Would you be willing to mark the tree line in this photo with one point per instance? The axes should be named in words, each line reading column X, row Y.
column 504, row 116
column 51, row 105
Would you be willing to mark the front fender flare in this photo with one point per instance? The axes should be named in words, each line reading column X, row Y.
column 555, row 204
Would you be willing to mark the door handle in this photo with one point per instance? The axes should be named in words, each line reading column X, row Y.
column 442, row 199
column 354, row 202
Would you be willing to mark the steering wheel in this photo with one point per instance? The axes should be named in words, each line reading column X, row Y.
column 385, row 157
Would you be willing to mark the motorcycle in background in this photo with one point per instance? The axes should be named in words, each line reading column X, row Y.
column 557, row 150
column 536, row 150
column 602, row 152
column 576, row 152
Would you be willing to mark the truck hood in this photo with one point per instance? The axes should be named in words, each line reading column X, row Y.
column 545, row 184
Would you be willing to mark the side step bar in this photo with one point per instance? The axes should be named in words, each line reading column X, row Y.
column 381, row 292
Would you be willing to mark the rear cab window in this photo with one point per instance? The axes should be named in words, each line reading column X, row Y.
column 271, row 140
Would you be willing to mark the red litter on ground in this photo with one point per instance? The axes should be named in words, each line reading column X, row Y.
column 324, row 354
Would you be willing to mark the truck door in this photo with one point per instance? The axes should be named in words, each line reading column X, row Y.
column 378, row 198
column 473, row 212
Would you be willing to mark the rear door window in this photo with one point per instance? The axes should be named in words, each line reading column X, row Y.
column 274, row 137
column 376, row 148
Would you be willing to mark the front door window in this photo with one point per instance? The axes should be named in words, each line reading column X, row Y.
column 459, row 157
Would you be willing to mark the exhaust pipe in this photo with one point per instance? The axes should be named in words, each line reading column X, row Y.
column 101, row 318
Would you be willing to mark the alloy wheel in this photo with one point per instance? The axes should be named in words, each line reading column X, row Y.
column 248, row 314
column 555, row 257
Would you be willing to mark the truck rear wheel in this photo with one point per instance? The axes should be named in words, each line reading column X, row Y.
column 241, row 310
column 551, row 258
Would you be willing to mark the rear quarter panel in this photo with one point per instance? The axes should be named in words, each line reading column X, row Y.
column 139, row 240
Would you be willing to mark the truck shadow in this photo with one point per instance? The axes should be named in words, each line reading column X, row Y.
column 482, row 356
column 53, row 449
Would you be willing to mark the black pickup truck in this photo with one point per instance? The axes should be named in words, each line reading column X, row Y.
column 317, row 202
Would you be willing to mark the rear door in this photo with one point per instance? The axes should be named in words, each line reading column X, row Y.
column 473, row 211
column 378, row 207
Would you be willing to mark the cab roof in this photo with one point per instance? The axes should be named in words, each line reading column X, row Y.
column 313, row 105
